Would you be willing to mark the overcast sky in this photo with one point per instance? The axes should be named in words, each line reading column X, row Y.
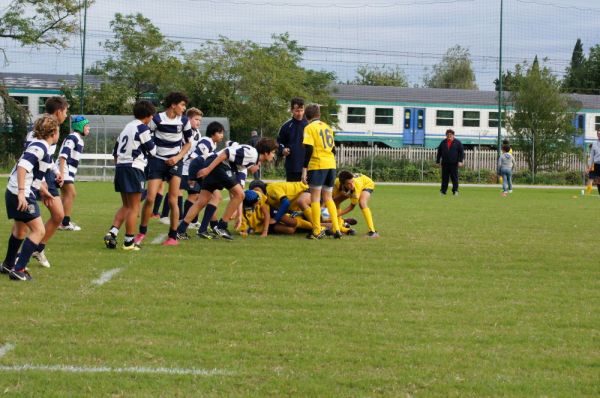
column 342, row 35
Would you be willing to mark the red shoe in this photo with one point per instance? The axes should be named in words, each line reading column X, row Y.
column 170, row 242
column 139, row 238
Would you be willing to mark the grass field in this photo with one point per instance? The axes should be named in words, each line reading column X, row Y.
column 476, row 295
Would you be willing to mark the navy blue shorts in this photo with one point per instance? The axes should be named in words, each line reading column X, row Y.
column 321, row 178
column 158, row 169
column 12, row 201
column 221, row 177
column 595, row 173
column 50, row 178
column 129, row 180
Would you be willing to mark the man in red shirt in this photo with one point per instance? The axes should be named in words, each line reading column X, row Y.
column 450, row 156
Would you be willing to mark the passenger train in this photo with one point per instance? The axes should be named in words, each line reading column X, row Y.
column 398, row 117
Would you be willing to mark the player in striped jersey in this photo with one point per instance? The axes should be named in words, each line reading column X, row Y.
column 132, row 148
column 57, row 107
column 223, row 171
column 26, row 178
column 319, row 170
column 172, row 134
column 195, row 117
column 70, row 153
column 215, row 132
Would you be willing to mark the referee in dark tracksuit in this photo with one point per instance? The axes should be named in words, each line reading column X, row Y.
column 451, row 154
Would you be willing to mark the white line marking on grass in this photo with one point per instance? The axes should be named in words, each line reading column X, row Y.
column 106, row 276
column 159, row 239
column 6, row 348
column 106, row 369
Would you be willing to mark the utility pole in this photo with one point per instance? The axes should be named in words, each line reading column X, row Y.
column 500, row 88
column 82, row 92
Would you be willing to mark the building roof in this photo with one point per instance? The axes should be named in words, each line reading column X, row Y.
column 352, row 92
column 45, row 81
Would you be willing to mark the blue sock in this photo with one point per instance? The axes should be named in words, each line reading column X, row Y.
column 66, row 220
column 186, row 207
column 11, row 251
column 143, row 229
column 41, row 247
column 28, row 249
column 172, row 234
column 182, row 228
column 157, row 203
column 180, row 206
column 209, row 211
column 166, row 208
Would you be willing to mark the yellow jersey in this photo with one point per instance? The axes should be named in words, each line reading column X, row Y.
column 321, row 137
column 254, row 217
column 361, row 182
column 277, row 190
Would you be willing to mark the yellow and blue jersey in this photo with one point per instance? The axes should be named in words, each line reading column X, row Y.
column 254, row 218
column 361, row 182
column 278, row 190
column 321, row 137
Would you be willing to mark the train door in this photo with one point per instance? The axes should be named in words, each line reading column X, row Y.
column 414, row 126
column 579, row 124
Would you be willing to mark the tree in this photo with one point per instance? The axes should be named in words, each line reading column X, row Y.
column 508, row 82
column 541, row 122
column 380, row 76
column 142, row 61
column 592, row 71
column 40, row 22
column 575, row 78
column 252, row 84
column 453, row 71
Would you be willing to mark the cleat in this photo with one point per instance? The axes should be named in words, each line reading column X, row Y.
column 110, row 241
column 337, row 235
column 194, row 225
column 139, row 238
column 351, row 232
column 455, row 193
column 20, row 276
column 310, row 235
column 4, row 268
column 211, row 230
column 134, row 247
column 223, row 233
column 372, row 234
column 70, row 227
column 165, row 220
column 41, row 258
column 328, row 232
column 351, row 221
column 183, row 236
column 204, row 235
column 170, row 242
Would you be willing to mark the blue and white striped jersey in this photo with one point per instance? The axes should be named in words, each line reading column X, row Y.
column 241, row 156
column 170, row 134
column 187, row 159
column 206, row 146
column 51, row 152
column 71, row 150
column 36, row 160
column 134, row 144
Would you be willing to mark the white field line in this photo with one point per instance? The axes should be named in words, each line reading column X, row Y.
column 106, row 276
column 6, row 348
column 106, row 369
column 159, row 239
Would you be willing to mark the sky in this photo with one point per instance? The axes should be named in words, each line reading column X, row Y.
column 340, row 36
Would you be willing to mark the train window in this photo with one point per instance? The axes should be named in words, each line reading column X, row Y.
column 407, row 114
column 444, row 118
column 23, row 101
column 384, row 116
column 471, row 118
column 42, row 104
column 356, row 115
column 493, row 119
column 420, row 118
column 597, row 124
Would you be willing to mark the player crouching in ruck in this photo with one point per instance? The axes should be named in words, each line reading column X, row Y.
column 222, row 172
column 358, row 188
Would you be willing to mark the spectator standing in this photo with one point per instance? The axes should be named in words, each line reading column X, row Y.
column 290, row 139
column 450, row 156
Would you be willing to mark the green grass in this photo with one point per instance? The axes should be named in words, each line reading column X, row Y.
column 477, row 295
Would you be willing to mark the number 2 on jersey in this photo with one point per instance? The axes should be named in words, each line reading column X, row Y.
column 123, row 146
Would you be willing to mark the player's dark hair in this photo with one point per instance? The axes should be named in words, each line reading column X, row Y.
column 213, row 128
column 345, row 176
column 260, row 185
column 296, row 101
column 142, row 109
column 450, row 131
column 175, row 98
column 312, row 111
column 54, row 104
column 266, row 145
column 505, row 148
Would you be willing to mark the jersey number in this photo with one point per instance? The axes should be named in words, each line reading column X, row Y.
column 124, row 144
column 327, row 138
